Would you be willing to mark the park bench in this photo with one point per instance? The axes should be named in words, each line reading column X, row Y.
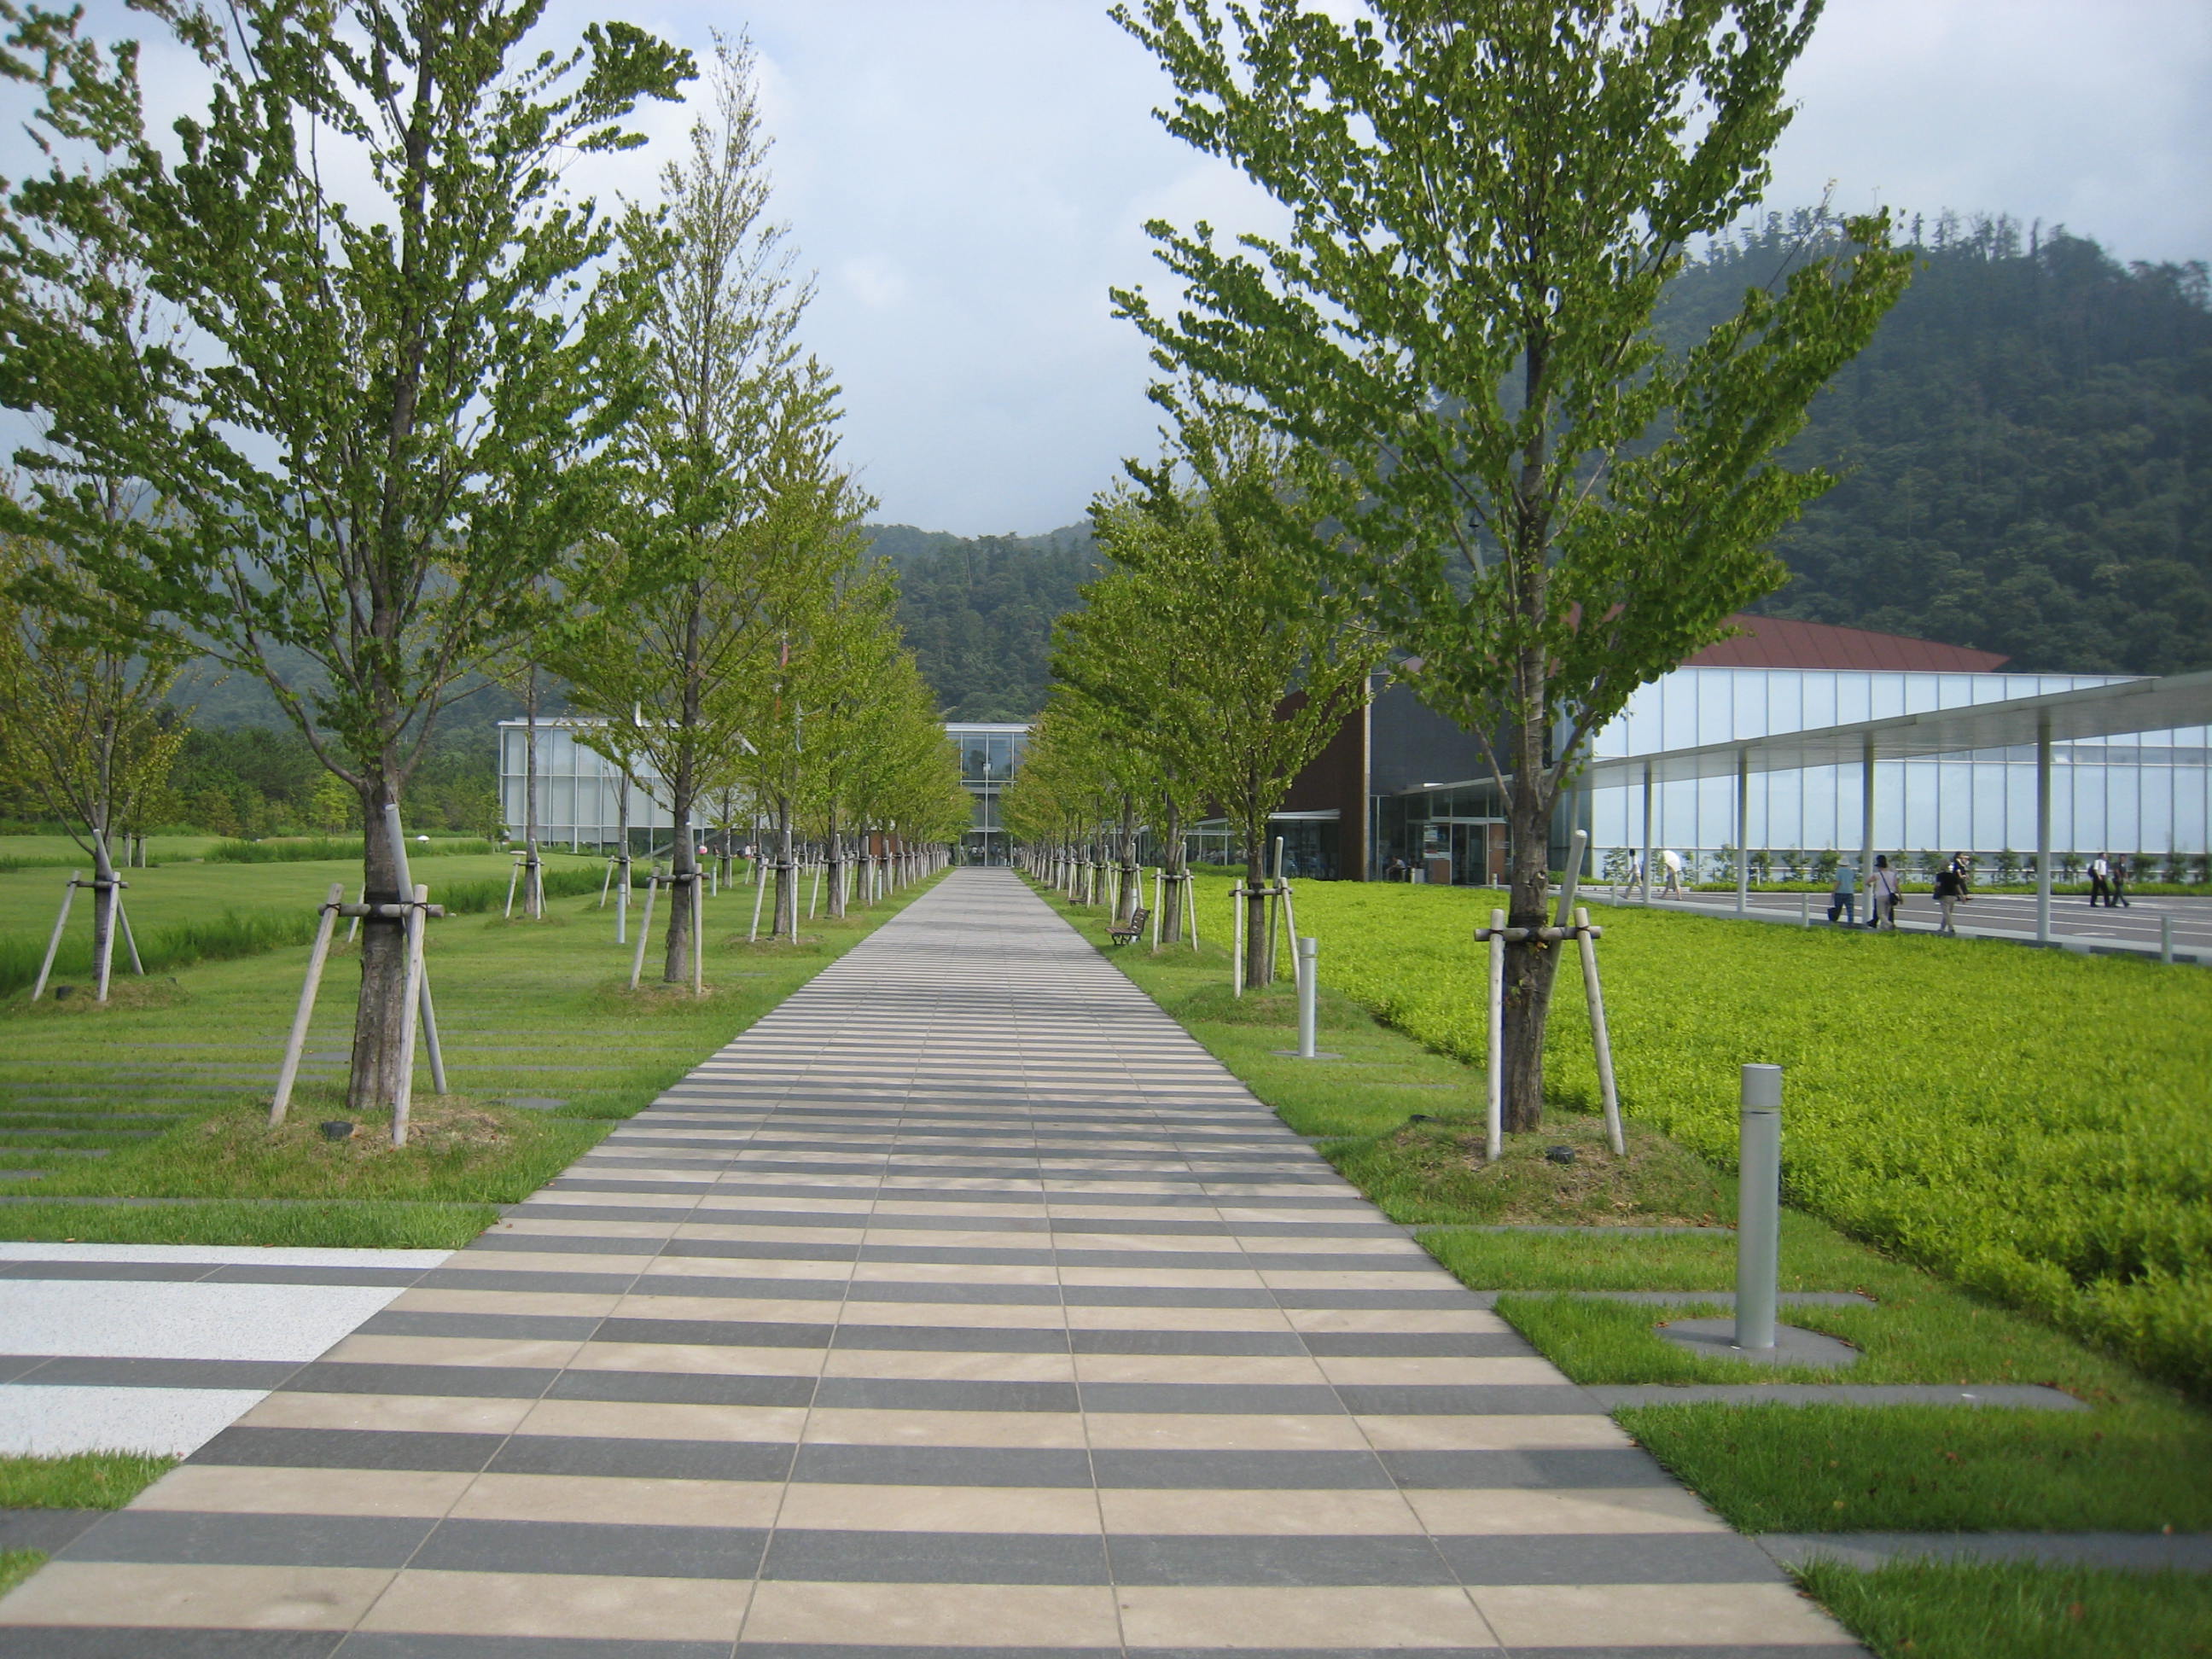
column 1122, row 932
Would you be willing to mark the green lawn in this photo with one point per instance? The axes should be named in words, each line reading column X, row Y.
column 1937, row 1610
column 84, row 1480
column 162, row 1093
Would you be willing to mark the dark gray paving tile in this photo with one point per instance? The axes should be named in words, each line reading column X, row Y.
column 748, row 1249
column 750, row 1290
column 475, row 1382
column 1626, row 1466
column 945, row 1466
column 1704, row 1651
column 381, row 1645
column 1008, row 1296
column 1610, row 1559
column 101, row 1372
column 643, row 1459
column 246, row 1273
column 1499, row 1400
column 1277, row 1560
column 140, row 1641
column 841, row 1651
column 348, row 1449
column 952, row 1339
column 152, row 1272
column 683, row 1388
column 50, row 1531
column 520, row 1328
column 1285, row 1471
column 938, row 1558
column 260, row 1541
column 1417, row 1344
column 502, row 1278
column 1188, row 1342
column 1169, row 1296
column 924, row 1395
column 718, row 1332
column 577, row 1547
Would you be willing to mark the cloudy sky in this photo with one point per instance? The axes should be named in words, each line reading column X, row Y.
column 968, row 177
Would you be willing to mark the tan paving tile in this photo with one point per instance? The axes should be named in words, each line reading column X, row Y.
column 638, row 1420
column 1494, row 1511
column 722, row 1266
column 853, row 1426
column 1702, row 1616
column 940, row 1508
column 696, row 1359
column 755, row 1233
column 1537, row 1431
column 1222, row 1431
column 1011, row 1316
column 1229, row 1513
column 547, row 1262
column 620, row 1500
column 1302, row 1278
column 556, row 1198
column 1228, row 1278
column 950, row 1366
column 452, row 1351
column 950, row 1272
column 934, row 1615
column 1397, row 1321
column 233, row 1489
column 1427, row 1616
column 765, row 1309
column 427, row 1414
column 504, row 1302
column 562, row 1605
column 193, row 1597
column 554, row 1227
column 1177, row 1319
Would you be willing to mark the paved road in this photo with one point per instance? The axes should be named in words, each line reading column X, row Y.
column 2009, row 915
column 961, row 1308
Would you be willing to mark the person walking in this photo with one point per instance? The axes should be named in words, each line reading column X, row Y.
column 1843, row 896
column 1881, row 895
column 2101, row 882
column 1950, row 888
column 1671, row 862
column 2121, row 872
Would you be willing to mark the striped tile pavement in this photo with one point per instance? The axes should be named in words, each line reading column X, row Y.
column 963, row 1308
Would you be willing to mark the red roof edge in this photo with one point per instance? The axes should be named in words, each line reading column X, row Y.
column 1785, row 642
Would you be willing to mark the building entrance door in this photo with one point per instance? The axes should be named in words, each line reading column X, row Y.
column 1476, row 848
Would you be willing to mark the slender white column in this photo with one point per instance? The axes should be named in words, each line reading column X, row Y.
column 2043, row 829
column 1742, row 831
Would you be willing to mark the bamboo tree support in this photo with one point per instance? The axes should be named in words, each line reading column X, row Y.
column 1190, row 904
column 353, row 927
column 54, row 943
column 296, row 1045
column 512, row 877
column 398, row 842
column 130, row 941
column 1160, row 890
column 815, row 891
column 644, row 928
column 606, row 882
column 1588, row 936
column 1290, row 931
column 1494, row 1122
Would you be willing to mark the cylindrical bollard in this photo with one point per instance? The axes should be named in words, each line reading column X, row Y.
column 2165, row 939
column 1804, row 910
column 1307, row 949
column 1759, row 1206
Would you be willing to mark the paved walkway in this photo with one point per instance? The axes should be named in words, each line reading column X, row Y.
column 962, row 1306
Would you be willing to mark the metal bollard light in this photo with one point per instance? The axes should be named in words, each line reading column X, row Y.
column 1759, row 1205
column 1307, row 949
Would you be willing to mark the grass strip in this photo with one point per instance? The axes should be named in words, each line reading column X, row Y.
column 16, row 1565
column 1958, row 1610
column 1935, row 1468
column 336, row 1225
column 81, row 1481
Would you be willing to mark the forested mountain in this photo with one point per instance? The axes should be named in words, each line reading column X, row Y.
column 978, row 612
column 2026, row 446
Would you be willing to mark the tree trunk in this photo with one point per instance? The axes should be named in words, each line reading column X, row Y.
column 1258, row 960
column 1532, row 965
column 684, row 792
column 377, row 1055
column 533, row 890
column 786, row 886
column 836, row 870
column 1171, row 862
column 103, row 911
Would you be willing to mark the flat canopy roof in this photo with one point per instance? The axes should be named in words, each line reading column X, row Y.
column 2098, row 711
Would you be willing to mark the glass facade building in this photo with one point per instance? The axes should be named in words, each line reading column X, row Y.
column 990, row 753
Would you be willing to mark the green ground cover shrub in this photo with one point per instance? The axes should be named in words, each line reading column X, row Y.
column 2030, row 1123
column 306, row 849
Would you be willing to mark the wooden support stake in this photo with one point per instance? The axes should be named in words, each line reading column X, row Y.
column 108, row 889
column 644, row 930
column 296, row 1044
column 403, row 1093
column 1159, row 878
column 698, row 938
column 760, row 891
column 353, row 927
column 1236, row 952
column 606, row 882
column 54, row 943
column 1494, row 1124
column 130, row 943
column 1599, row 1035
column 513, row 876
